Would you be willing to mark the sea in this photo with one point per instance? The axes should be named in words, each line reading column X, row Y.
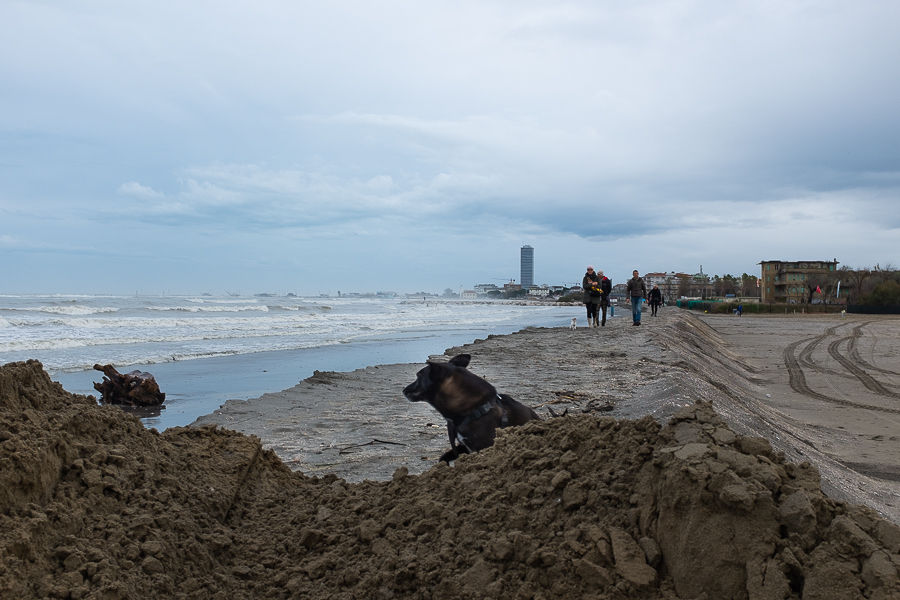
column 204, row 350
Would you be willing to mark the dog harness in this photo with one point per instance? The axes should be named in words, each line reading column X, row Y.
column 476, row 414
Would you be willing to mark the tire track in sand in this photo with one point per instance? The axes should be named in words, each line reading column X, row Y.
column 805, row 358
column 858, row 369
column 854, row 355
column 798, row 383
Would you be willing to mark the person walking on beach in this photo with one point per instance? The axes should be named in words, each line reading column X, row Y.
column 591, row 286
column 605, row 291
column 637, row 289
column 654, row 299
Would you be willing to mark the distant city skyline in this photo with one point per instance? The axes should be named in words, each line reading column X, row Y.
column 650, row 275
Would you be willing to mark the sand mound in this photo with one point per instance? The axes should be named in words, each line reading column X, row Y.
column 92, row 505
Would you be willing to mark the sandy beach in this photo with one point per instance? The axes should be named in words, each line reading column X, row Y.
column 359, row 426
column 835, row 384
column 699, row 457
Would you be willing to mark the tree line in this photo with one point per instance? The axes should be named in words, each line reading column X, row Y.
column 873, row 286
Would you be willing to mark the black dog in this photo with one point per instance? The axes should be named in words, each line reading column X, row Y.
column 473, row 408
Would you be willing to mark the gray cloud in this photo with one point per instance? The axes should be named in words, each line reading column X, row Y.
column 580, row 127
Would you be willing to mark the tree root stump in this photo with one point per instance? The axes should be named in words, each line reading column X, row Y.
column 136, row 388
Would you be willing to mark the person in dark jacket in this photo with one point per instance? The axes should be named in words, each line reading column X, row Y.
column 605, row 291
column 591, row 286
column 654, row 298
column 637, row 290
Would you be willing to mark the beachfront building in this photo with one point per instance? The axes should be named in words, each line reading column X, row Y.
column 674, row 285
column 662, row 278
column 468, row 295
column 539, row 290
column 527, row 267
column 790, row 281
column 668, row 282
column 484, row 288
column 619, row 293
column 698, row 285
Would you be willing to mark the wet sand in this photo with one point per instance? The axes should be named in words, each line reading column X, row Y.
column 835, row 382
column 820, row 388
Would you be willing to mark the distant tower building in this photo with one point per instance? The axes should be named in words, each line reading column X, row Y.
column 527, row 269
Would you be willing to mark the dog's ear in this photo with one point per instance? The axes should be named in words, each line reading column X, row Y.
column 460, row 360
column 436, row 372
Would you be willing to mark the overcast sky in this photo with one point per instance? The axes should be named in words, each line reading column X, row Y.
column 311, row 147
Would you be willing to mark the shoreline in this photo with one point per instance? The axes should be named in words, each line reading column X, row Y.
column 199, row 386
column 357, row 425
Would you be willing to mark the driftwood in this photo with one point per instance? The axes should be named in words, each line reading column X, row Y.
column 349, row 449
column 132, row 389
column 577, row 398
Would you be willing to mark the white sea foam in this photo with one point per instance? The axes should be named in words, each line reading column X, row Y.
column 64, row 310
column 261, row 308
column 74, row 333
column 222, row 300
column 20, row 296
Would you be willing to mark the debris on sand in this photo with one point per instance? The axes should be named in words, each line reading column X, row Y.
column 92, row 505
column 137, row 388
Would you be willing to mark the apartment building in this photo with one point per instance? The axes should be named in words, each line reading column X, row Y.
column 673, row 285
column 526, row 266
column 787, row 281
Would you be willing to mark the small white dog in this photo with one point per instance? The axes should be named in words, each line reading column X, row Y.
column 574, row 321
